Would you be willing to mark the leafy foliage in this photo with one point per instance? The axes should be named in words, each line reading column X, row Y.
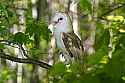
column 86, row 5
column 99, row 67
column 21, row 38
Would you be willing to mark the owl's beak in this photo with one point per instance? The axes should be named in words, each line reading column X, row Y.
column 51, row 26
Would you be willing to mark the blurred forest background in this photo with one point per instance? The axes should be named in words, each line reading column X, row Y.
column 27, row 48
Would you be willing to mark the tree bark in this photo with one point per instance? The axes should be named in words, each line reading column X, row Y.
column 20, row 6
column 90, row 41
column 111, row 35
column 74, row 15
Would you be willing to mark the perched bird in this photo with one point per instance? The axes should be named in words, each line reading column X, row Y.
column 66, row 40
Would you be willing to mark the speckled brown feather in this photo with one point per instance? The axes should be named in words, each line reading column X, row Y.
column 72, row 44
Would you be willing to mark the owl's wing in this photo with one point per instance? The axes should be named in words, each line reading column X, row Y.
column 72, row 44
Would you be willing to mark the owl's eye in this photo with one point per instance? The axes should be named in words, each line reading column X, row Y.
column 60, row 19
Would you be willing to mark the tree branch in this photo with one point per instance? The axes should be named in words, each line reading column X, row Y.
column 111, row 10
column 117, row 6
column 27, row 61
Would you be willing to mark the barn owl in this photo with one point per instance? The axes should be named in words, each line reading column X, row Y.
column 66, row 40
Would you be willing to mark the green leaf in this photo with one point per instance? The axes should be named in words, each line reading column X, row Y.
column 21, row 38
column 31, row 27
column 85, row 5
column 69, row 77
column 45, row 32
column 2, row 46
column 90, row 79
column 58, row 69
column 75, row 68
column 36, row 53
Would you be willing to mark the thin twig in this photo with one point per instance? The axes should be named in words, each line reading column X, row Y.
column 111, row 10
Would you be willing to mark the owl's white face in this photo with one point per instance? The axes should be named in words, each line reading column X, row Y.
column 59, row 23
